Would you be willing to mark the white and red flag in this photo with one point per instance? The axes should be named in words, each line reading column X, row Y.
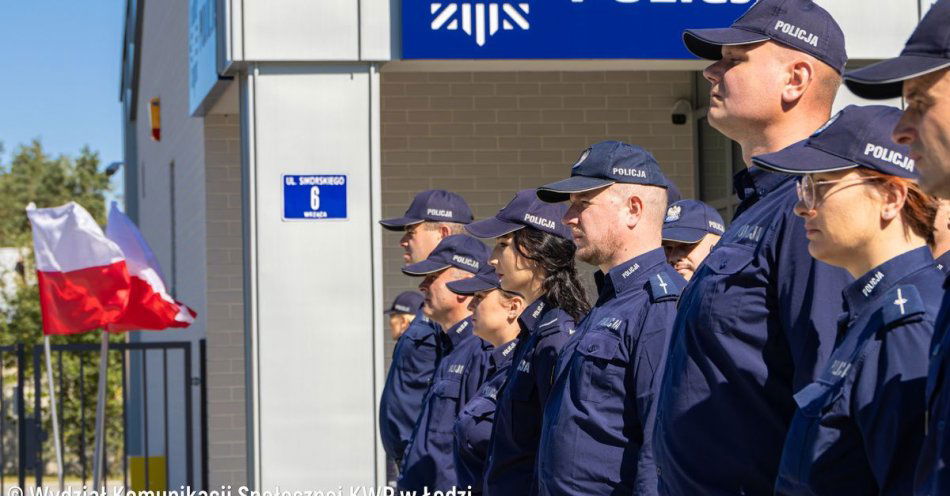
column 150, row 306
column 88, row 281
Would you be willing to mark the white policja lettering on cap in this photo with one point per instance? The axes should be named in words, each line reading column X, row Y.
column 401, row 308
column 717, row 226
column 888, row 155
column 466, row 261
column 797, row 32
column 629, row 172
column 439, row 212
column 539, row 221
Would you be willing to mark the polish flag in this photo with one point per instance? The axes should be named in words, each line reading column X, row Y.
column 83, row 280
column 89, row 280
column 150, row 306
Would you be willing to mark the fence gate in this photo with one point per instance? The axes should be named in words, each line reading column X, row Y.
column 153, row 397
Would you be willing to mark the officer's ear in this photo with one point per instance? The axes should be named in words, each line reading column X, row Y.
column 516, row 305
column 801, row 75
column 444, row 231
column 893, row 197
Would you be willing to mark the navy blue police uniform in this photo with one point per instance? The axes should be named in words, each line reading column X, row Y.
column 417, row 351
column 473, row 427
column 597, row 422
column 926, row 51
column 414, row 358
column 544, row 330
column 429, row 462
column 859, row 427
column 757, row 320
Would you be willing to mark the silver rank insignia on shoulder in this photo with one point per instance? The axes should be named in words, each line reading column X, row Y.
column 901, row 303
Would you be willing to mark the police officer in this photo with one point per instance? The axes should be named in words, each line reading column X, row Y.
column 757, row 320
column 941, row 247
column 690, row 230
column 596, row 432
column 495, row 320
column 534, row 257
column 921, row 74
column 429, row 462
column 859, row 426
column 402, row 312
column 432, row 216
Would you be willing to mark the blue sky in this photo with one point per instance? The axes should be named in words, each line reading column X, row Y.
column 60, row 77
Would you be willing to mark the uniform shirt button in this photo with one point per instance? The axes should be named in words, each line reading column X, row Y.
column 935, row 351
column 658, row 471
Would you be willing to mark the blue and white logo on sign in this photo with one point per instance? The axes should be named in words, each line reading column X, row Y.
column 314, row 196
column 558, row 29
column 480, row 19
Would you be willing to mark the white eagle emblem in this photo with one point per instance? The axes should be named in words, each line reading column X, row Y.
column 582, row 159
column 673, row 213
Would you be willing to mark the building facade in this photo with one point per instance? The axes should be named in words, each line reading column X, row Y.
column 288, row 128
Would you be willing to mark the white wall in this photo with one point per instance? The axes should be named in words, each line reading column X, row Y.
column 313, row 281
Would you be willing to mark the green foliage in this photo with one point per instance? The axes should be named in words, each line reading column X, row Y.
column 35, row 176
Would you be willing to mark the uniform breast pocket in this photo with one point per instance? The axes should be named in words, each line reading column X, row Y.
column 602, row 367
column 444, row 407
column 727, row 286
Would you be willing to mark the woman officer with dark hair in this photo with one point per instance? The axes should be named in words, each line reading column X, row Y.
column 533, row 257
column 859, row 427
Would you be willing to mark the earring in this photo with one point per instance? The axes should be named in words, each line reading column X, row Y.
column 888, row 214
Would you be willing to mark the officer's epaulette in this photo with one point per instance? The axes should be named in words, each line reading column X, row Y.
column 662, row 287
column 900, row 304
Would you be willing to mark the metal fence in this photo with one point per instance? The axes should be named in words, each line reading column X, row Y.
column 153, row 389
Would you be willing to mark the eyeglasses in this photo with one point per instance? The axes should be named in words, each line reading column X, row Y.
column 808, row 193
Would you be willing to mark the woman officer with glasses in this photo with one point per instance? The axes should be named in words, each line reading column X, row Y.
column 858, row 428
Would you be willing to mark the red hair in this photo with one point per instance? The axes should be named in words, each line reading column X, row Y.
column 920, row 209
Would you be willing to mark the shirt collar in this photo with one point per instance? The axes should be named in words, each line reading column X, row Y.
column 879, row 280
column 528, row 319
column 502, row 355
column 944, row 261
column 629, row 274
column 753, row 183
column 460, row 330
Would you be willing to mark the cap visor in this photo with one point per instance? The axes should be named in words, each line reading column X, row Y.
column 491, row 228
column 885, row 79
column 562, row 190
column 424, row 267
column 688, row 235
column 469, row 286
column 707, row 43
column 399, row 223
column 799, row 159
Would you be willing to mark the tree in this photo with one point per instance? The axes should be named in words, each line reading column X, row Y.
column 35, row 176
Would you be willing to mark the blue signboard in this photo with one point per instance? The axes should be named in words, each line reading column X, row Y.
column 202, row 51
column 558, row 29
column 314, row 196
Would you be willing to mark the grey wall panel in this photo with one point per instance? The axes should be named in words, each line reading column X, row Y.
column 315, row 282
column 298, row 30
column 379, row 29
column 874, row 30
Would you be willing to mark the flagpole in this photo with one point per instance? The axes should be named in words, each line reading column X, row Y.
column 98, row 454
column 55, row 416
